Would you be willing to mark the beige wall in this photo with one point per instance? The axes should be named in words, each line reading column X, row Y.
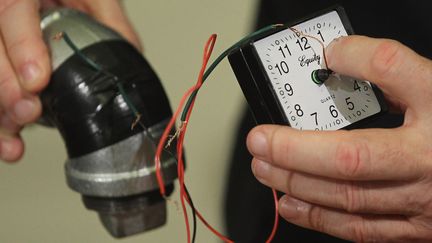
column 35, row 203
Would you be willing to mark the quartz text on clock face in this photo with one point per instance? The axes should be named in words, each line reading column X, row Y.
column 290, row 56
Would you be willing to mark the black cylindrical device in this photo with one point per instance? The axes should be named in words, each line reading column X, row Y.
column 110, row 161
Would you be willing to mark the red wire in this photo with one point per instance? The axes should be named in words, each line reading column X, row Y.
column 180, row 164
column 163, row 140
column 276, row 219
column 213, row 230
column 180, row 169
column 180, row 145
column 171, row 123
column 159, row 150
column 184, row 196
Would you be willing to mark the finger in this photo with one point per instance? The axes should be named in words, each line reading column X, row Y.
column 353, row 197
column 358, row 228
column 11, row 145
column 368, row 154
column 395, row 68
column 22, row 109
column 11, row 148
column 111, row 13
column 47, row 4
column 8, row 126
column 22, row 35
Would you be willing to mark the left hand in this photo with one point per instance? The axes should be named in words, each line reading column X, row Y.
column 369, row 185
column 25, row 61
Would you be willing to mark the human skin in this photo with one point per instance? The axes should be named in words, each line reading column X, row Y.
column 25, row 65
column 367, row 185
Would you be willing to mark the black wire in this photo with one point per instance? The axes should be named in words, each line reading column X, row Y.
column 193, row 213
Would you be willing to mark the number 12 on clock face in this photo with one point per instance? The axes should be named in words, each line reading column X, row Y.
column 274, row 72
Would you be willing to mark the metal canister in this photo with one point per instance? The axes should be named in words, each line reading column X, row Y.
column 110, row 162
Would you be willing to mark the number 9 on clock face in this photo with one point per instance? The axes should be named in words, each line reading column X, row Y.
column 274, row 72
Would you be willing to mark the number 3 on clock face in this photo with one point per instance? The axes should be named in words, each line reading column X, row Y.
column 274, row 72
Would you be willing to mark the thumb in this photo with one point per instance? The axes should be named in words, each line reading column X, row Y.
column 396, row 69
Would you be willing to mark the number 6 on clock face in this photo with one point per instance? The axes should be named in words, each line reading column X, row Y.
column 274, row 71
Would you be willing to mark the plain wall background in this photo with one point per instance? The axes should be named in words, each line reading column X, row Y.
column 35, row 203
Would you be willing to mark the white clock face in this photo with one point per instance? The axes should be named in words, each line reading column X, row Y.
column 289, row 59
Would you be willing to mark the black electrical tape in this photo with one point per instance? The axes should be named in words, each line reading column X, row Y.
column 86, row 105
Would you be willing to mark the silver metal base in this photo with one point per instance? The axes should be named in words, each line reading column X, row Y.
column 83, row 29
column 130, row 223
column 122, row 169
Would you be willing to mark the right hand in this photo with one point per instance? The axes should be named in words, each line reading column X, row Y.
column 25, row 65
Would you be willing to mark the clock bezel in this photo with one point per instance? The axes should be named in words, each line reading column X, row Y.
column 256, row 84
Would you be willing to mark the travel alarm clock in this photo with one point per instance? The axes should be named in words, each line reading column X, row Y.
column 284, row 77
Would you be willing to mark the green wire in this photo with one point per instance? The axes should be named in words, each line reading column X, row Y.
column 127, row 100
column 72, row 45
column 220, row 58
column 98, row 68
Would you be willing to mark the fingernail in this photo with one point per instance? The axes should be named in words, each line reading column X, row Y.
column 291, row 208
column 24, row 110
column 30, row 74
column 258, row 144
column 260, row 168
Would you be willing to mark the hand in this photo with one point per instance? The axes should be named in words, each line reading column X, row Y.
column 371, row 185
column 25, row 64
